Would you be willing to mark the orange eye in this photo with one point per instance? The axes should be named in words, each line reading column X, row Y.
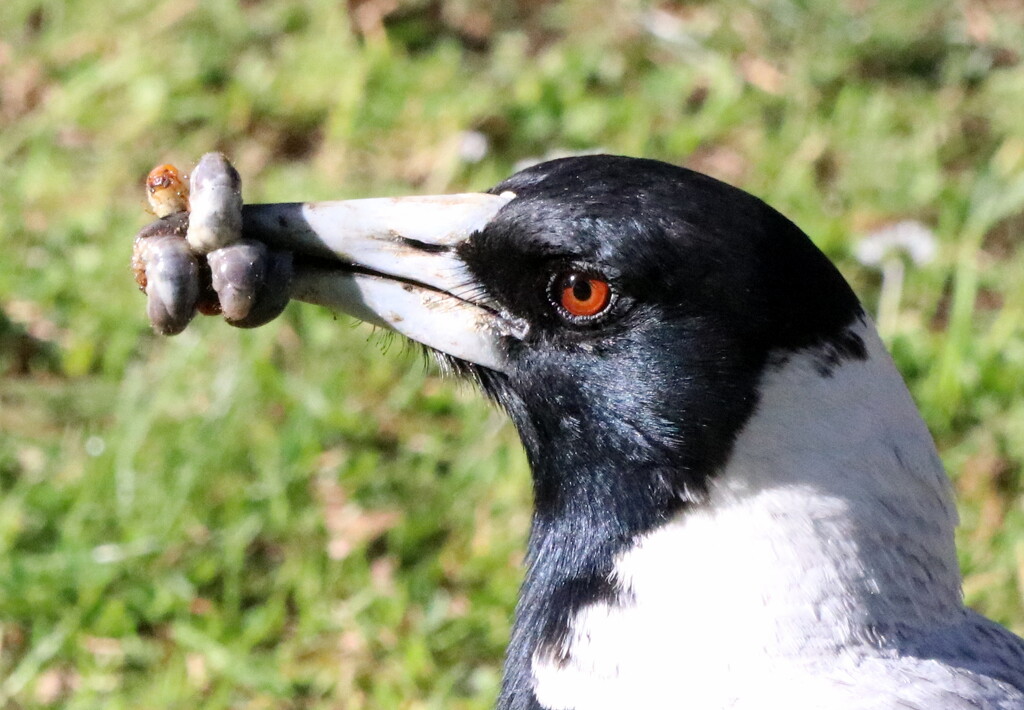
column 583, row 295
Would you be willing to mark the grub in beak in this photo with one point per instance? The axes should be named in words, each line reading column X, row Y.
column 389, row 261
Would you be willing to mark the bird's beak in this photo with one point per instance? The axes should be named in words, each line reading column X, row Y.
column 393, row 262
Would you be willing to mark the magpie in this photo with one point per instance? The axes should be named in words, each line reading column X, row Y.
column 736, row 502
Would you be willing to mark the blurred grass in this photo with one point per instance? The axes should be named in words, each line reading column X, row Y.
column 287, row 517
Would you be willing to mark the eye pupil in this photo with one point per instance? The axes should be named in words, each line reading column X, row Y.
column 581, row 289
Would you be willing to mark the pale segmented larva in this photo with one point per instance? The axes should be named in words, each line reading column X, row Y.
column 197, row 260
column 167, row 190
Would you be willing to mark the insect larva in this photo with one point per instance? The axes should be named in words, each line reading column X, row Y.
column 215, row 219
column 196, row 260
column 167, row 190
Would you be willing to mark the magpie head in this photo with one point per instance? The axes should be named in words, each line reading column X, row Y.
column 623, row 311
column 653, row 297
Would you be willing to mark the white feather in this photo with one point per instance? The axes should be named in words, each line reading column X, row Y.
column 827, row 538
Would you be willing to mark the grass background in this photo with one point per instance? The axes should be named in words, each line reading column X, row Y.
column 287, row 517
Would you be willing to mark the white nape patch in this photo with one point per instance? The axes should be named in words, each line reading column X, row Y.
column 829, row 531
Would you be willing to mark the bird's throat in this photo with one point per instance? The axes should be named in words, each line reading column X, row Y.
column 828, row 531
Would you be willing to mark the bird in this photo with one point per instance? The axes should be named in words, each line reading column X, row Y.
column 736, row 502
